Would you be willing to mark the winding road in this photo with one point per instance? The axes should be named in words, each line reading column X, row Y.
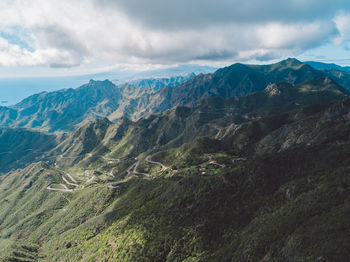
column 73, row 182
column 136, row 165
column 148, row 159
column 112, row 186
column 69, row 180
column 64, row 189
column 133, row 167
column 103, row 157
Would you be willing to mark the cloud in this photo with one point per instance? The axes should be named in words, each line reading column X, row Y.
column 13, row 55
column 196, row 14
column 342, row 21
column 70, row 33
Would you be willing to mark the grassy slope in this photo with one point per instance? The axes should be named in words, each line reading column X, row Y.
column 59, row 111
column 19, row 147
column 274, row 206
column 182, row 124
column 286, row 206
column 284, row 203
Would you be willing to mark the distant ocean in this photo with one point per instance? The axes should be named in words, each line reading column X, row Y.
column 13, row 90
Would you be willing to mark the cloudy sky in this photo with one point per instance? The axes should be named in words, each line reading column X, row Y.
column 78, row 36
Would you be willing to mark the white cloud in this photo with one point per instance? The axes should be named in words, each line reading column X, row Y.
column 68, row 33
column 342, row 21
column 296, row 35
column 166, row 14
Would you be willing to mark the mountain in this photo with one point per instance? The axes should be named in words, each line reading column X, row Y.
column 338, row 73
column 19, row 147
column 157, row 83
column 172, row 128
column 235, row 80
column 67, row 109
column 263, row 177
column 127, row 139
column 63, row 109
column 13, row 90
column 240, row 80
column 328, row 66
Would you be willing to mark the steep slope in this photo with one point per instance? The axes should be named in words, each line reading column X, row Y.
column 311, row 126
column 19, row 147
column 235, row 80
column 25, row 203
column 172, row 128
column 64, row 109
column 328, row 66
column 157, row 83
column 183, row 124
column 339, row 74
column 291, row 205
column 341, row 77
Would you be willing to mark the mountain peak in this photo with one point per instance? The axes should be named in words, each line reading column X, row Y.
column 291, row 62
column 106, row 81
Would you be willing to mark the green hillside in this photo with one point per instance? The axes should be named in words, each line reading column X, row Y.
column 260, row 175
column 19, row 147
column 261, row 206
column 67, row 109
column 183, row 124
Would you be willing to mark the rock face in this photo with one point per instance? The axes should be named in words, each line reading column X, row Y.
column 235, row 80
column 261, row 177
column 234, row 120
column 278, row 180
column 308, row 127
column 157, row 83
column 64, row 110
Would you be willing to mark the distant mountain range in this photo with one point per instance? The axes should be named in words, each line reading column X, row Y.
column 157, row 83
column 249, row 163
column 182, row 124
column 15, row 89
column 175, row 127
column 64, row 110
column 328, row 66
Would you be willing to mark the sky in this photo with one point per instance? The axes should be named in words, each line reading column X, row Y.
column 71, row 37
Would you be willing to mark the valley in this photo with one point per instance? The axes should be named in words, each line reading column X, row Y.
column 249, row 163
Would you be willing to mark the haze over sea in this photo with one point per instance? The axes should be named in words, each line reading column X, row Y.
column 13, row 90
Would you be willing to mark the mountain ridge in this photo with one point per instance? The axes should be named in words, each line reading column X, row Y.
column 60, row 111
column 258, row 177
column 180, row 125
column 257, row 191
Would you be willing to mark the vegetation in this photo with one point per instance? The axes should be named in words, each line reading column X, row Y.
column 59, row 111
column 19, row 147
column 262, row 177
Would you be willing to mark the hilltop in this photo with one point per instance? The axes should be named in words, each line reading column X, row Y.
column 249, row 163
column 65, row 110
